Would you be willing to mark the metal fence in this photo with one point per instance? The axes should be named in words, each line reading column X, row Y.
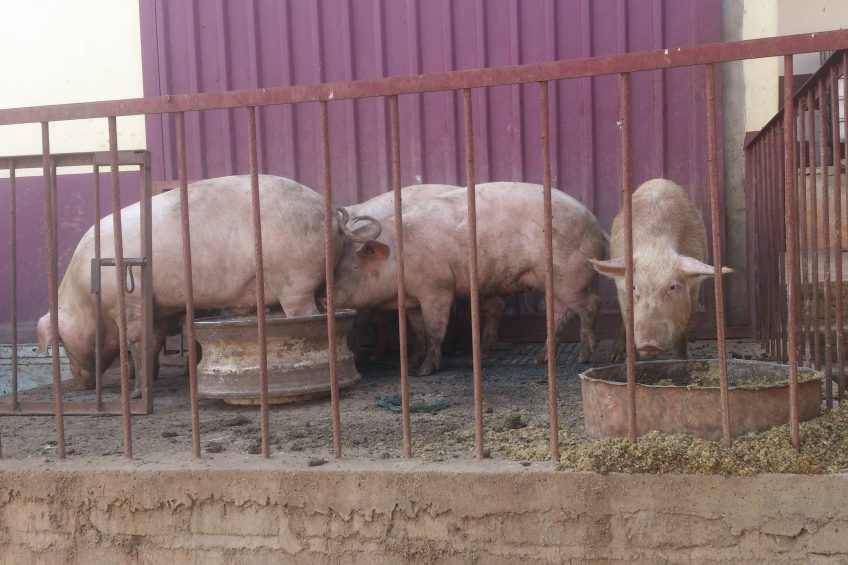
column 392, row 88
column 795, row 235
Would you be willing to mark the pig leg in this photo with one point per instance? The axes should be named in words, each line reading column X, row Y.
column 435, row 310
column 587, row 328
column 491, row 310
column 380, row 320
column 562, row 317
column 618, row 353
column 298, row 304
column 419, row 334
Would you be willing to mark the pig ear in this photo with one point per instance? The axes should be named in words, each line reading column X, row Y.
column 612, row 268
column 691, row 267
column 373, row 249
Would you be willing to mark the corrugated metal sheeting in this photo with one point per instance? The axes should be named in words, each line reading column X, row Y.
column 192, row 46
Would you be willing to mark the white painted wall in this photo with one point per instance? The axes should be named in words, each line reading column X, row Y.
column 63, row 51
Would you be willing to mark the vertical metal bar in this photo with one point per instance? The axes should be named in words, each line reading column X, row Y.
column 401, row 277
column 627, row 199
column 814, row 235
column 781, row 186
column 472, row 264
column 712, row 153
column 803, row 231
column 775, row 197
column 50, row 213
column 827, row 278
column 791, row 274
column 120, row 286
column 98, row 303
column 762, row 245
column 549, row 274
column 13, row 258
column 146, row 246
column 842, row 376
column 188, row 287
column 839, row 319
column 328, row 255
column 260, row 282
column 801, row 337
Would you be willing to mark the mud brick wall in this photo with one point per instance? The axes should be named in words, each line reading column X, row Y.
column 252, row 511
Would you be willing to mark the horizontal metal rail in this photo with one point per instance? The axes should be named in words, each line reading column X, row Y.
column 456, row 80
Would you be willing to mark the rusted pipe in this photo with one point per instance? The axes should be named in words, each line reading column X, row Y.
column 121, row 290
column 791, row 274
column 474, row 284
column 53, row 286
column 828, row 279
column 401, row 277
column 329, row 267
column 626, row 195
column 814, row 236
column 188, row 286
column 551, row 330
column 837, row 206
column 712, row 157
column 13, row 263
column 260, row 283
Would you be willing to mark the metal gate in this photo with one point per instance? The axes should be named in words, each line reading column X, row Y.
column 136, row 273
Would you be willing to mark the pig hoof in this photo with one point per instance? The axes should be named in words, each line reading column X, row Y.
column 135, row 394
column 584, row 357
column 425, row 370
column 541, row 357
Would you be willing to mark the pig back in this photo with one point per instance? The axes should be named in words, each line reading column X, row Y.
column 663, row 216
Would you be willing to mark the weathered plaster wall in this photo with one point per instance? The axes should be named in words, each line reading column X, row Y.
column 495, row 513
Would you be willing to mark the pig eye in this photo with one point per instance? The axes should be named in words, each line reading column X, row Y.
column 674, row 287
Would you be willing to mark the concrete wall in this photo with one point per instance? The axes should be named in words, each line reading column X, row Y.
column 263, row 512
column 70, row 52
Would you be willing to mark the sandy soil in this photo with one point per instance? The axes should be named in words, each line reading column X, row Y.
column 514, row 396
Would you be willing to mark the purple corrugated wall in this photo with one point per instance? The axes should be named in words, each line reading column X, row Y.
column 215, row 45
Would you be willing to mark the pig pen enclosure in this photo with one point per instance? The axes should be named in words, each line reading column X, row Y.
column 504, row 406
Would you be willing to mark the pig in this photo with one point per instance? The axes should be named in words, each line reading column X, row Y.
column 669, row 265
column 223, row 264
column 382, row 208
column 511, row 258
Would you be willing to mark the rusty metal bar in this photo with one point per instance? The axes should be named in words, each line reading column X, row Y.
column 712, row 156
column 87, row 159
column 791, row 275
column 456, row 80
column 98, row 302
column 801, row 333
column 260, row 283
column 814, row 236
column 329, row 267
column 188, row 286
column 803, row 229
column 828, row 253
column 474, row 283
column 53, row 286
column 842, row 376
column 837, row 206
column 550, row 327
column 13, row 263
column 121, row 288
column 401, row 277
column 763, row 247
column 770, row 255
column 627, row 198
column 780, row 148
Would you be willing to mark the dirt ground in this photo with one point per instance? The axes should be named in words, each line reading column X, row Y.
column 514, row 396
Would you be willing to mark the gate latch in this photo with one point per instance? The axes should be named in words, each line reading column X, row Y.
column 129, row 263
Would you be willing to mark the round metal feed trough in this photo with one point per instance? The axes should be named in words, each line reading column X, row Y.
column 298, row 357
column 683, row 397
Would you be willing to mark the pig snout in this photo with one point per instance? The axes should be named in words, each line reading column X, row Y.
column 653, row 339
column 649, row 350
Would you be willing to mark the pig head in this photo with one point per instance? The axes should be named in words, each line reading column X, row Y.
column 669, row 265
